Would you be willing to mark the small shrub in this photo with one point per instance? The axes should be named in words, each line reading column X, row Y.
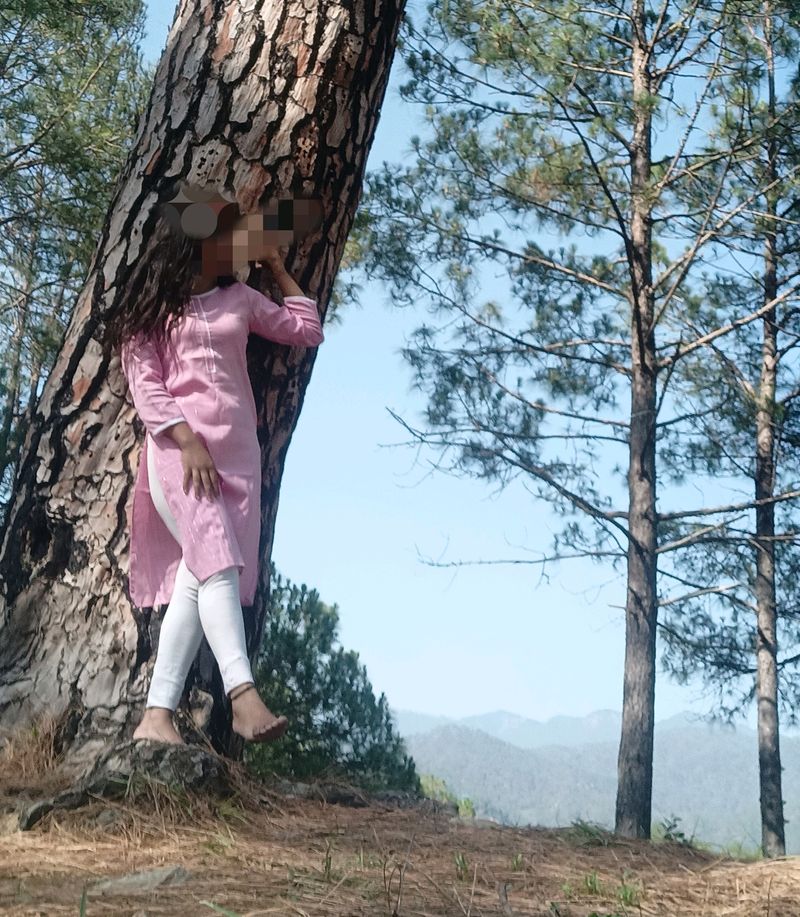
column 629, row 893
column 462, row 868
column 670, row 831
column 465, row 808
column 589, row 834
column 593, row 884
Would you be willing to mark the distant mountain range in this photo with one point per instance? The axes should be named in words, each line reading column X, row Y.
column 520, row 771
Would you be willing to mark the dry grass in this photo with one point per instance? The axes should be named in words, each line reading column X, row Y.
column 30, row 754
column 258, row 853
column 309, row 858
column 29, row 762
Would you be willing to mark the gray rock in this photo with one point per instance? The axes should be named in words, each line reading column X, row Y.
column 106, row 818
column 120, row 767
column 139, row 883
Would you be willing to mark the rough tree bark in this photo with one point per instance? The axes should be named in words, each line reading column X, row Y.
column 276, row 99
column 773, row 841
column 635, row 762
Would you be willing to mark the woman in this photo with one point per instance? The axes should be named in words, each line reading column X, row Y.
column 195, row 522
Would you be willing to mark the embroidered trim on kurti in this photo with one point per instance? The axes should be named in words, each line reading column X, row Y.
column 211, row 366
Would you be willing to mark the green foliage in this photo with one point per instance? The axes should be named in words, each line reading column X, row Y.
column 630, row 893
column 588, row 834
column 466, row 809
column 536, row 126
column 462, row 866
column 435, row 788
column 727, row 391
column 556, row 159
column 337, row 728
column 668, row 830
column 592, row 884
column 71, row 89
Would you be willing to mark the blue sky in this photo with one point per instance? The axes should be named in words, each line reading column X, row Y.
column 356, row 517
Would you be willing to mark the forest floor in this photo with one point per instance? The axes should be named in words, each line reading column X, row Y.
column 258, row 852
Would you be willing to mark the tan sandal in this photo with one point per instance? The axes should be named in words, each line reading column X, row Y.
column 275, row 729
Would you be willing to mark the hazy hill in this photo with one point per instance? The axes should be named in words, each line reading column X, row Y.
column 600, row 726
column 705, row 775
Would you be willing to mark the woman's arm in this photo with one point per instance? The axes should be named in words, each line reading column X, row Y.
column 144, row 373
column 296, row 322
column 286, row 282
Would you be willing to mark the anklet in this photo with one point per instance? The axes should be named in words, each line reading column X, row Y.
column 240, row 690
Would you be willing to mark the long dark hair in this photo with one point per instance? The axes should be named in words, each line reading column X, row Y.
column 159, row 284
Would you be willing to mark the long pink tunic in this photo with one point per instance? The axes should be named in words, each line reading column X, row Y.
column 202, row 378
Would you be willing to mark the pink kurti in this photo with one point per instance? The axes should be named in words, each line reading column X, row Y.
column 202, row 378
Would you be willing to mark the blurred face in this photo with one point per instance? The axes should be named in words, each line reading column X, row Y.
column 241, row 238
column 229, row 250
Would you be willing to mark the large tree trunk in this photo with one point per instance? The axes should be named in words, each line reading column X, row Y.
column 279, row 98
column 635, row 762
column 769, row 755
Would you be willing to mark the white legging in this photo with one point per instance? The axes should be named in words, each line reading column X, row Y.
column 211, row 607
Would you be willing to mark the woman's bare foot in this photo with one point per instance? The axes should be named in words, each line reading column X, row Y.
column 157, row 725
column 252, row 720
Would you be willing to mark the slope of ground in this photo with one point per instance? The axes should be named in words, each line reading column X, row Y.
column 304, row 857
column 259, row 850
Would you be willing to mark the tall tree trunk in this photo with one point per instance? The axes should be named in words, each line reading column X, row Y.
column 14, row 367
column 279, row 99
column 635, row 762
column 13, row 357
column 773, row 841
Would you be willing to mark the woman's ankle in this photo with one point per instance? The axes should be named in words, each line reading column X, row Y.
column 242, row 688
column 158, row 713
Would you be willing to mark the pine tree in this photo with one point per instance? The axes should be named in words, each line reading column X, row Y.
column 240, row 100
column 740, row 396
column 578, row 129
column 71, row 88
column 337, row 725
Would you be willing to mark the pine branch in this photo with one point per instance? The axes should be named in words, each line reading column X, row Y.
column 548, row 263
column 541, row 561
column 665, row 181
column 709, row 590
column 612, row 517
column 691, row 538
column 611, row 198
column 541, row 406
column 685, row 349
column 730, row 508
column 674, row 64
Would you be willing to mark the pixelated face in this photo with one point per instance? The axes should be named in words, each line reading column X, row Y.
column 228, row 239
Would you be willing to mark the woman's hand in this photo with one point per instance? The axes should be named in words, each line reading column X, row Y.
column 198, row 467
column 273, row 256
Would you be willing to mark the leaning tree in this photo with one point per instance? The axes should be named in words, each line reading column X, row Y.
column 272, row 100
